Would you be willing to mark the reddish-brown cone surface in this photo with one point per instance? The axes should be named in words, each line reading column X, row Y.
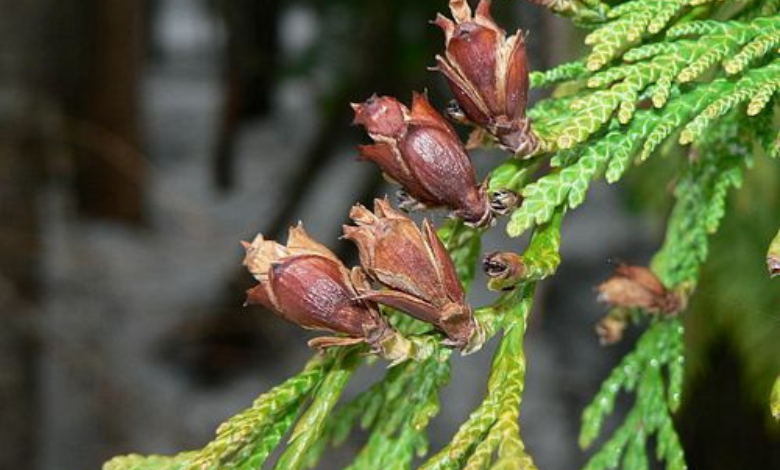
column 638, row 287
column 419, row 150
column 488, row 74
column 416, row 270
column 306, row 284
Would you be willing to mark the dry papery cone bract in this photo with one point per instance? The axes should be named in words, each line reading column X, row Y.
column 488, row 74
column 638, row 287
column 421, row 151
column 416, row 271
column 306, row 284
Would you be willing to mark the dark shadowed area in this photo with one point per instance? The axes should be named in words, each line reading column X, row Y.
column 140, row 141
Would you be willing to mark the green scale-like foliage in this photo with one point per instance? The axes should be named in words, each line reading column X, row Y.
column 151, row 462
column 641, row 372
column 640, row 86
column 661, row 74
column 604, row 123
column 701, row 195
column 490, row 438
column 246, row 439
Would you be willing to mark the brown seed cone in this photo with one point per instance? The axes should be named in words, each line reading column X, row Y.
column 488, row 74
column 304, row 283
column 419, row 150
column 416, row 270
column 638, row 287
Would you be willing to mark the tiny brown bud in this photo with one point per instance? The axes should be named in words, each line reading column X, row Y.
column 416, row 270
column 638, row 287
column 610, row 329
column 504, row 201
column 488, row 74
column 504, row 269
column 419, row 149
column 304, row 283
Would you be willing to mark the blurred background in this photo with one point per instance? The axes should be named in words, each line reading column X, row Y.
column 141, row 140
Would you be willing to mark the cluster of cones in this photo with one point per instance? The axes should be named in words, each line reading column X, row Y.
column 403, row 266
